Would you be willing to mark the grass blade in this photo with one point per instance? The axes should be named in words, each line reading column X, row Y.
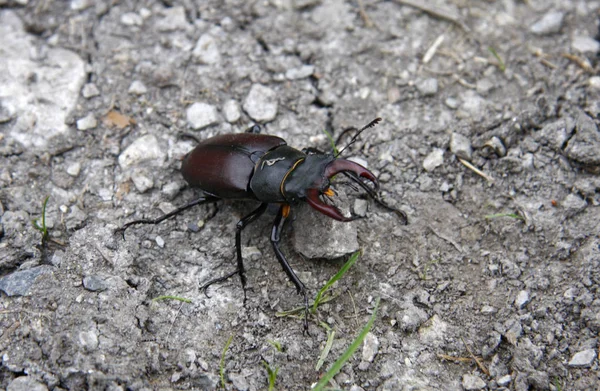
column 337, row 366
column 222, row 362
column 333, row 279
column 168, row 297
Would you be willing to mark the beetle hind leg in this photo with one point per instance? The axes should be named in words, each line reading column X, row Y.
column 199, row 201
column 243, row 223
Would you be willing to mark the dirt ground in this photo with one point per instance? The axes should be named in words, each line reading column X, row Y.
column 489, row 143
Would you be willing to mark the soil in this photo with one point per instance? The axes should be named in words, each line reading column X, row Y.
column 489, row 143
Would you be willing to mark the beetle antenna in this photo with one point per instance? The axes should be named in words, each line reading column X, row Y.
column 355, row 137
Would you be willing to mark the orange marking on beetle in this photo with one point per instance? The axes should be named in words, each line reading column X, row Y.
column 329, row 192
column 285, row 211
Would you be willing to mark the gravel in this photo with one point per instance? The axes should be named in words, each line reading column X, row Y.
column 521, row 293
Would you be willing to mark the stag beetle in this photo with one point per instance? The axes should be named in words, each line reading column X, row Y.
column 257, row 167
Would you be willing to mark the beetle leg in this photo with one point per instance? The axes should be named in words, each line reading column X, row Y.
column 199, row 201
column 238, row 247
column 254, row 129
column 275, row 238
column 238, row 241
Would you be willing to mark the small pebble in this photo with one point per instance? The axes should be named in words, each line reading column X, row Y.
column 74, row 169
column 79, row 5
column 471, row 382
column 261, row 103
column 174, row 18
column 171, row 189
column 90, row 90
column 87, row 122
column 370, row 347
column 201, row 115
column 461, row 146
column 206, row 50
column 143, row 149
column 94, row 283
column 231, row 111
column 427, row 87
column 360, row 207
column 160, row 241
column 584, row 358
column 434, row 159
column 504, row 381
column 137, row 88
column 522, row 299
column 26, row 383
column 585, row 44
column 452, row 103
column 300, row 73
column 131, row 19
column 594, row 82
column 142, row 183
column 549, row 24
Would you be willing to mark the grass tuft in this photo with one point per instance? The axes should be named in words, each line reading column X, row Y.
column 271, row 374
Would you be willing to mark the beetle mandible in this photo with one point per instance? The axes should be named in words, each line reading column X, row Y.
column 257, row 167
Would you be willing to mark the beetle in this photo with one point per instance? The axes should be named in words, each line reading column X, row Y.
column 256, row 167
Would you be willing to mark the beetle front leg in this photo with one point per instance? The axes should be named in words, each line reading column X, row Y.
column 275, row 238
column 243, row 223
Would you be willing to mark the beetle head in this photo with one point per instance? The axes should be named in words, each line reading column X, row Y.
column 310, row 179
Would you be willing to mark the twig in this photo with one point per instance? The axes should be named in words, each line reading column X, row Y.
column 363, row 15
column 452, row 358
column 438, row 12
column 433, row 49
column 583, row 63
column 476, row 170
column 477, row 360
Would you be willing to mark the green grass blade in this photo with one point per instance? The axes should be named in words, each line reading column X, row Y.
column 271, row 374
column 331, row 141
column 501, row 64
column 222, row 362
column 337, row 366
column 168, row 297
column 333, row 279
column 43, row 229
column 326, row 349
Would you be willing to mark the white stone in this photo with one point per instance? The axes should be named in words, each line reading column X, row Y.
column 584, row 358
column 201, row 115
column 137, row 88
column 74, row 169
column 585, row 44
column 90, row 90
column 131, row 19
column 144, row 149
column 261, row 103
column 87, row 122
column 141, row 182
column 434, row 159
column 231, row 111
column 522, row 299
column 206, row 50
column 300, row 73
column 472, row 383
